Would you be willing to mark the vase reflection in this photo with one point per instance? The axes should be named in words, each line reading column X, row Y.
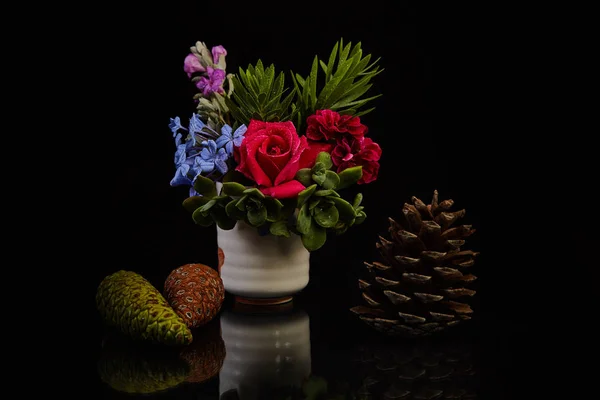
column 267, row 354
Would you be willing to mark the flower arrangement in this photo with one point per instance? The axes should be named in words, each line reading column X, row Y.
column 273, row 156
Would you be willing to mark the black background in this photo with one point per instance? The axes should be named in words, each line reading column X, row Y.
column 430, row 123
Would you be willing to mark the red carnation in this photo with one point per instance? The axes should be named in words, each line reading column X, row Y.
column 326, row 125
column 351, row 151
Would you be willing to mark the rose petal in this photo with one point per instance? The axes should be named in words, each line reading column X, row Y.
column 268, row 164
column 286, row 190
column 257, row 174
column 289, row 171
column 307, row 160
column 280, row 160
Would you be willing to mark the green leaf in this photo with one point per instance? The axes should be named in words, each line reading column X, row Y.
column 359, row 103
column 305, row 195
column 304, row 176
column 357, row 200
column 323, row 66
column 361, row 113
column 334, row 194
column 315, row 238
column 241, row 203
column 322, row 193
column 345, row 208
column 223, row 221
column 326, row 217
column 360, row 217
column 279, row 228
column 341, row 228
column 205, row 186
column 277, row 89
column 304, row 221
column 194, row 202
column 344, row 53
column 349, row 95
column 331, row 62
column 332, row 84
column 274, row 207
column 324, row 158
column 201, row 219
column 254, row 192
column 318, row 168
column 332, row 180
column 349, row 176
column 233, row 189
column 313, row 82
column 319, row 178
column 257, row 217
column 205, row 209
column 314, row 202
column 234, row 212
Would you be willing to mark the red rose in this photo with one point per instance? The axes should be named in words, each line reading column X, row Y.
column 270, row 156
column 326, row 125
column 350, row 152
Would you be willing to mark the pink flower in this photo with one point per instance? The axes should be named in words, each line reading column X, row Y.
column 270, row 156
column 351, row 152
column 217, row 52
column 191, row 65
column 212, row 83
column 326, row 125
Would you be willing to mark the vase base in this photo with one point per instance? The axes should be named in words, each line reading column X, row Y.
column 271, row 301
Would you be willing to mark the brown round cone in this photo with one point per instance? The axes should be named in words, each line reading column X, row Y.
column 195, row 292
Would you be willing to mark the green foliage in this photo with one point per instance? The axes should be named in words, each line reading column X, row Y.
column 251, row 205
column 349, row 176
column 208, row 208
column 258, row 94
column 321, row 207
column 347, row 79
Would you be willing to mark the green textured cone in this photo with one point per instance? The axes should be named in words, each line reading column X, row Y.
column 132, row 369
column 130, row 303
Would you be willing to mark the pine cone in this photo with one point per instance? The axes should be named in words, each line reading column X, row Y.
column 422, row 285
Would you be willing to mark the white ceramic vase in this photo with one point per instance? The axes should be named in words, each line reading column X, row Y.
column 263, row 353
column 262, row 269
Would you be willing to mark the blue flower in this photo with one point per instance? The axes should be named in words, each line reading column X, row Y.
column 180, row 154
column 211, row 158
column 181, row 177
column 175, row 125
column 196, row 125
column 228, row 139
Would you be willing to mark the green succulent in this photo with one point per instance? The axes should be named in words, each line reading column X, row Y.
column 209, row 207
column 320, row 205
column 250, row 205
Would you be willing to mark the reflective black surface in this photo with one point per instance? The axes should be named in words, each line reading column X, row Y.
column 303, row 350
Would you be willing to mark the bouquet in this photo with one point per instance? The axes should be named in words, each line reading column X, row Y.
column 275, row 155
